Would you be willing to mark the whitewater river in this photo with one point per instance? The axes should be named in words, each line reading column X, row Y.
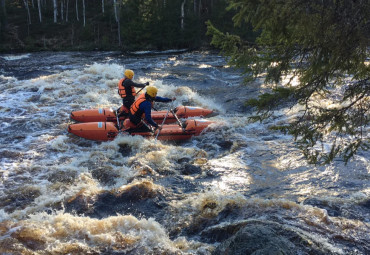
column 239, row 187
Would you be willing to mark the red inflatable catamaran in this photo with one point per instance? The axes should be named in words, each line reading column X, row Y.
column 106, row 114
column 104, row 125
column 105, row 131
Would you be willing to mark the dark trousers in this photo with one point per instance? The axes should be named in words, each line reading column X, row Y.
column 137, row 124
column 127, row 102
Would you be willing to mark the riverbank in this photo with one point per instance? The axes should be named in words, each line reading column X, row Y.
column 12, row 43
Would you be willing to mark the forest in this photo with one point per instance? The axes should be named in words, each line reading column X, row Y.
column 33, row 25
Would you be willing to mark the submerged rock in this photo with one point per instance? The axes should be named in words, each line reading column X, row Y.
column 19, row 198
column 66, row 177
column 259, row 238
column 255, row 239
column 141, row 199
column 105, row 175
column 191, row 169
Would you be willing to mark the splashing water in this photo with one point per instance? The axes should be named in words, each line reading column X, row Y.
column 62, row 194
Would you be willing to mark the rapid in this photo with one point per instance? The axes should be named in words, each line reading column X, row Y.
column 238, row 187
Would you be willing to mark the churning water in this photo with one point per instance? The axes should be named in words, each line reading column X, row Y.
column 240, row 187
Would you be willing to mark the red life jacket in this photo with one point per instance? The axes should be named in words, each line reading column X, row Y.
column 122, row 91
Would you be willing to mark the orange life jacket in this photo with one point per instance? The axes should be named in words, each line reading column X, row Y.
column 122, row 91
column 135, row 110
column 135, row 106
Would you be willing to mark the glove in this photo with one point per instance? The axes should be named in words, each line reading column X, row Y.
column 173, row 99
column 146, row 83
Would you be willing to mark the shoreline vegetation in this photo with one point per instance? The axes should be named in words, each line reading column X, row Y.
column 108, row 25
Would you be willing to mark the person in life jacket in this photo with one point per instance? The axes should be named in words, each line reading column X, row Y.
column 126, row 89
column 141, row 109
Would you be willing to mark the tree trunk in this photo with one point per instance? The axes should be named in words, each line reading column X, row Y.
column 182, row 14
column 73, row 33
column 77, row 11
column 39, row 6
column 115, row 9
column 62, row 10
column 119, row 25
column 199, row 7
column 55, row 11
column 83, row 11
column 3, row 18
column 98, row 34
column 102, row 5
column 119, row 33
column 118, row 22
column 67, row 10
column 28, row 11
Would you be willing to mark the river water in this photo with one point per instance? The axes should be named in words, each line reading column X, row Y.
column 237, row 187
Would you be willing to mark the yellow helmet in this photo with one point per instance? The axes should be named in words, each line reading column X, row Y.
column 151, row 91
column 129, row 74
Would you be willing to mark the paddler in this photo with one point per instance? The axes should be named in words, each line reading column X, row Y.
column 141, row 109
column 126, row 89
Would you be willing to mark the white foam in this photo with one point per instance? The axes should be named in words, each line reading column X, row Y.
column 16, row 57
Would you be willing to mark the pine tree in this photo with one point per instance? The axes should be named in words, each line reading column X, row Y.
column 325, row 45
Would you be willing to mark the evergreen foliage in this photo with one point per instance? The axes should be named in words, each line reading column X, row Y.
column 325, row 44
column 143, row 24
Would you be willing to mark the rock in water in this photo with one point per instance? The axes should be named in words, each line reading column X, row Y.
column 266, row 239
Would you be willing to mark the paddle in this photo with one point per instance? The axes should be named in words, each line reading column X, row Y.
column 164, row 120
column 146, row 84
column 140, row 90
column 177, row 119
column 117, row 120
column 147, row 126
